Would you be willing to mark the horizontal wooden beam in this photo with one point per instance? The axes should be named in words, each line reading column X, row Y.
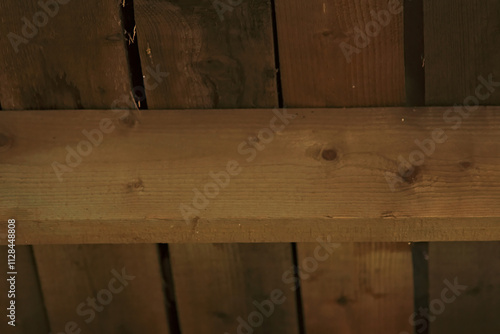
column 372, row 174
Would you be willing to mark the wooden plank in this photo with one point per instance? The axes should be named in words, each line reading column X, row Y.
column 476, row 266
column 211, row 63
column 43, row 75
column 314, row 69
column 120, row 283
column 457, row 51
column 128, row 180
column 235, row 277
column 360, row 287
column 463, row 46
column 30, row 311
column 215, row 63
column 78, row 60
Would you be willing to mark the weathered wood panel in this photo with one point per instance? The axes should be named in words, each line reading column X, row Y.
column 34, row 317
column 323, row 61
column 460, row 48
column 473, row 269
column 217, row 62
column 128, row 181
column 221, row 283
column 458, row 51
column 211, row 63
column 360, row 287
column 77, row 59
column 102, row 289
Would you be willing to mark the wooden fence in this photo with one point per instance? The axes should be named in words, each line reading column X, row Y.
column 113, row 112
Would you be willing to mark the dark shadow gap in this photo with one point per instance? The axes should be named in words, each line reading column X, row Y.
column 168, row 279
column 414, row 57
column 276, row 55
column 133, row 57
column 298, row 292
column 279, row 89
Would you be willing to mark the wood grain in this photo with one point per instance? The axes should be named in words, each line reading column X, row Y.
column 78, row 60
column 359, row 288
column 261, row 230
column 130, row 180
column 214, row 63
column 314, row 70
column 476, row 266
column 211, row 63
column 55, row 68
column 70, row 277
column 230, row 279
column 458, row 50
column 354, row 290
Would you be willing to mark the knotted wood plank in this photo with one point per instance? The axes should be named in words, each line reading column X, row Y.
column 325, row 172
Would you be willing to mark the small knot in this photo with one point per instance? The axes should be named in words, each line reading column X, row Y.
column 135, row 185
column 409, row 176
column 130, row 120
column 464, row 165
column 329, row 154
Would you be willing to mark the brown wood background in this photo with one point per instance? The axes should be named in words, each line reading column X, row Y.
column 263, row 54
column 457, row 51
column 356, row 285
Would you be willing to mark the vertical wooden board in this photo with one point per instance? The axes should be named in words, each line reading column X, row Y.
column 314, row 70
column 214, row 63
column 126, row 287
column 457, row 51
column 361, row 287
column 30, row 311
column 460, row 48
column 474, row 265
column 219, row 283
column 78, row 60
